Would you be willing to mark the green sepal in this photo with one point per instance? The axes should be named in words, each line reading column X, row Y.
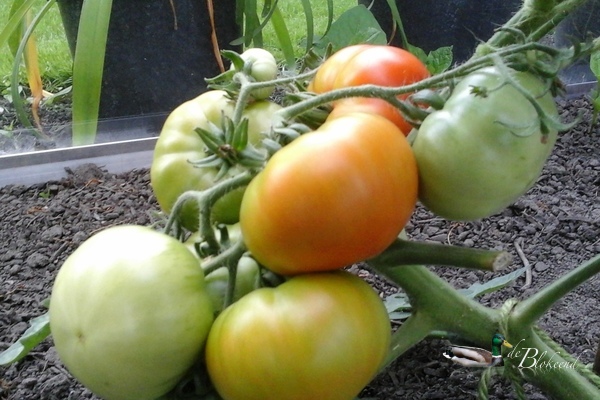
column 211, row 141
column 239, row 141
column 429, row 97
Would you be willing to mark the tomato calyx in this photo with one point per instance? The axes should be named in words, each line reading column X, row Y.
column 228, row 146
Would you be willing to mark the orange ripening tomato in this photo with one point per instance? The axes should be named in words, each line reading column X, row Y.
column 371, row 106
column 370, row 64
column 332, row 197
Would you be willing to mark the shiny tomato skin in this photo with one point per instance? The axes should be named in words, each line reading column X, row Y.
column 370, row 64
column 129, row 313
column 332, row 197
column 481, row 152
column 371, row 106
column 326, row 75
column 316, row 336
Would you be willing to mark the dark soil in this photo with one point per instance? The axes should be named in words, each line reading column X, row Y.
column 558, row 222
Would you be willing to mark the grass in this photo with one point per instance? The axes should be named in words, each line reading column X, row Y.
column 55, row 59
column 54, row 56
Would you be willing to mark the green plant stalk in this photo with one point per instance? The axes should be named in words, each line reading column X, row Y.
column 437, row 307
column 535, row 19
column 410, row 252
column 390, row 93
column 531, row 309
column 206, row 199
column 561, row 383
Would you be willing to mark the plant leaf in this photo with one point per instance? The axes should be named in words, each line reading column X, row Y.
column 479, row 289
column 14, row 22
column 439, row 60
column 595, row 64
column 88, row 66
column 355, row 26
column 310, row 24
column 398, row 305
column 39, row 329
column 283, row 35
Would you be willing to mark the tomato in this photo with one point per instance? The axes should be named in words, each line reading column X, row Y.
column 324, row 80
column 172, row 174
column 332, row 197
column 481, row 152
column 371, row 106
column 129, row 313
column 370, row 64
column 262, row 67
column 316, row 336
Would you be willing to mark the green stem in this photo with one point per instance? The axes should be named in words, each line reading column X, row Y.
column 416, row 328
column 442, row 306
column 535, row 19
column 229, row 256
column 206, row 199
column 530, row 310
column 410, row 252
column 390, row 93
column 541, row 365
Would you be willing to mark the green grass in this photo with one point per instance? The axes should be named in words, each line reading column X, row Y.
column 54, row 56
column 56, row 63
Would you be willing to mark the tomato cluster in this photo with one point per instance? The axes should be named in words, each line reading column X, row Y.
column 132, row 310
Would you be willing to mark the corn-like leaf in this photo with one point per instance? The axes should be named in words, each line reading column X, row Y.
column 88, row 66
column 14, row 21
column 310, row 24
column 398, row 21
column 283, row 35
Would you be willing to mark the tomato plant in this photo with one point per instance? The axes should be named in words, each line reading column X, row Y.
column 129, row 313
column 172, row 172
column 485, row 148
column 338, row 195
column 316, row 336
column 370, row 64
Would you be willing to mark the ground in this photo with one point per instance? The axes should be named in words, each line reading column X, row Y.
column 557, row 222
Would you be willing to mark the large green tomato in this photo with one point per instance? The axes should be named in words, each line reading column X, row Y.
column 172, row 174
column 482, row 151
column 316, row 336
column 129, row 313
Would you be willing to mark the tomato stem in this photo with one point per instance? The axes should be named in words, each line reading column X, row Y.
column 390, row 94
column 408, row 252
column 530, row 310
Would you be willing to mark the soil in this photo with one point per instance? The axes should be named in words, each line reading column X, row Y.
column 558, row 221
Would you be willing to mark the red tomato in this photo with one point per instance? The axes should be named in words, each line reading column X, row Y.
column 370, row 64
column 332, row 197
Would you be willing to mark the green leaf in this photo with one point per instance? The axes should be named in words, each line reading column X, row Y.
column 14, row 22
column 310, row 24
column 595, row 64
column 38, row 330
column 355, row 26
column 479, row 289
column 283, row 35
column 439, row 60
column 88, row 66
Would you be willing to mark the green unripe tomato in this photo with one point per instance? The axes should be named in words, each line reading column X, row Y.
column 482, row 151
column 263, row 67
column 129, row 313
